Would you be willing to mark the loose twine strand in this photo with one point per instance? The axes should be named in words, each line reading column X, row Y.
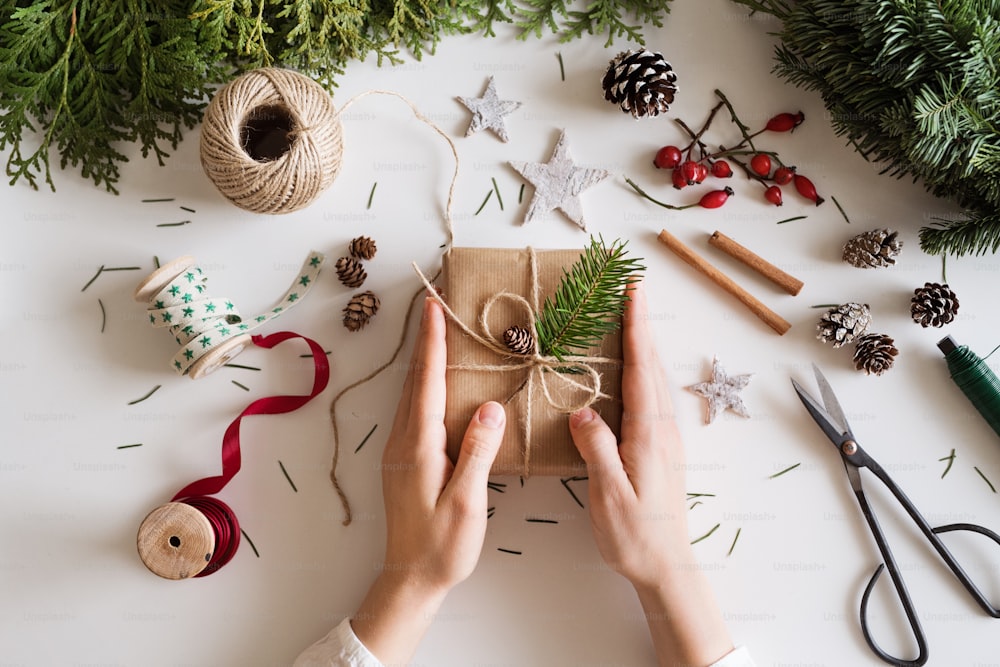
column 449, row 228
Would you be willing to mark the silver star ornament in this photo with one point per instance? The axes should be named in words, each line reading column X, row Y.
column 488, row 111
column 558, row 184
column 723, row 392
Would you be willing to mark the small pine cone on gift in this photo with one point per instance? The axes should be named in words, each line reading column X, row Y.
column 844, row 323
column 873, row 249
column 933, row 304
column 641, row 83
column 362, row 248
column 351, row 272
column 875, row 353
column 519, row 340
column 359, row 310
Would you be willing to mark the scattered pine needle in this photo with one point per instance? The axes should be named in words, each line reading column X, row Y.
column 509, row 551
column 797, row 217
column 733, row 545
column 246, row 368
column 496, row 189
column 135, row 444
column 240, row 385
column 782, row 472
column 565, row 482
column 250, row 542
column 490, row 511
column 104, row 315
column 153, row 201
column 189, row 210
column 706, row 535
column 562, row 68
column 534, row 520
column 483, row 205
column 174, row 224
column 985, row 479
column 91, row 281
column 950, row 459
column 287, row 476
column 499, row 487
column 365, row 439
column 371, row 195
column 520, row 194
column 143, row 398
column 841, row 209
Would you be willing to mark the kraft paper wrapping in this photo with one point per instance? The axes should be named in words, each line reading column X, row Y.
column 470, row 276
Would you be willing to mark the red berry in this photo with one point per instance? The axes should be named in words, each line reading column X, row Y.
column 716, row 198
column 761, row 164
column 785, row 122
column 807, row 189
column 667, row 157
column 690, row 171
column 701, row 173
column 721, row 169
column 784, row 175
column 773, row 195
column 677, row 176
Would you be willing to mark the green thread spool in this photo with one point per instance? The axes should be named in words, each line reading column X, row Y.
column 979, row 384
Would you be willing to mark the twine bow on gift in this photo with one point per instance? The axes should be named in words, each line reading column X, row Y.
column 575, row 372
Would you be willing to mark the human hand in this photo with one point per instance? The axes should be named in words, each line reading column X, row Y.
column 435, row 510
column 638, row 503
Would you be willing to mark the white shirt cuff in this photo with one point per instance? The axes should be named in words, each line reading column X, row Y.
column 339, row 648
column 738, row 657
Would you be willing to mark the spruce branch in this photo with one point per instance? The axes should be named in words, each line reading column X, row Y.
column 589, row 302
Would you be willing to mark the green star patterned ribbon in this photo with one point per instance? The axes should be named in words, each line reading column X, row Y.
column 201, row 323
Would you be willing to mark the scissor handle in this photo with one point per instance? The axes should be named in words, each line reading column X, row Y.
column 889, row 563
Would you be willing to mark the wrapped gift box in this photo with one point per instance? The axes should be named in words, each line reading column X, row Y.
column 470, row 277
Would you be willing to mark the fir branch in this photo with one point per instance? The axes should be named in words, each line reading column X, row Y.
column 589, row 302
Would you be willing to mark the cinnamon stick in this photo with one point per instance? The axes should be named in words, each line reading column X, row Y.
column 789, row 283
column 769, row 317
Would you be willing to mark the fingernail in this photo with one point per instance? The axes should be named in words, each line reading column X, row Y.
column 492, row 415
column 581, row 417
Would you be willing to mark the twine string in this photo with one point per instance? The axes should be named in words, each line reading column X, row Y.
column 450, row 231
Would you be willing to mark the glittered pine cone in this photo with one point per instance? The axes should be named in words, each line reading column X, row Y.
column 875, row 353
column 934, row 305
column 351, row 272
column 359, row 310
column 641, row 83
column 844, row 323
column 362, row 248
column 873, row 249
column 519, row 340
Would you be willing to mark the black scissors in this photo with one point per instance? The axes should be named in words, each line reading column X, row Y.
column 830, row 418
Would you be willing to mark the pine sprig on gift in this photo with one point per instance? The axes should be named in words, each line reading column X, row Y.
column 911, row 85
column 589, row 302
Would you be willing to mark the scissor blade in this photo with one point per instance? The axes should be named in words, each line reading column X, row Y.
column 830, row 401
column 820, row 415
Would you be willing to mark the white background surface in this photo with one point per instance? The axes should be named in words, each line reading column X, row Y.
column 73, row 588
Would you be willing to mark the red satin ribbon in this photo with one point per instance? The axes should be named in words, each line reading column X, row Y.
column 270, row 405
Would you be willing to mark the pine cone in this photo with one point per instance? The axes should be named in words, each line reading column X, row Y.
column 842, row 324
column 873, row 249
column 351, row 272
column 362, row 248
column 933, row 304
column 361, row 308
column 640, row 82
column 519, row 340
column 875, row 353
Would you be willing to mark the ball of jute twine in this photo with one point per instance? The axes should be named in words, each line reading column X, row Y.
column 271, row 141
